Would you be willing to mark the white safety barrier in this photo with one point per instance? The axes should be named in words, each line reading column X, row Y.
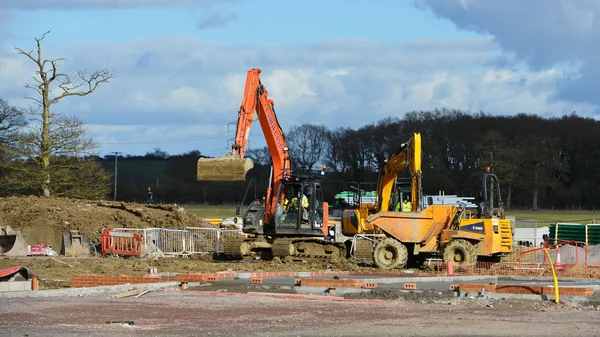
column 225, row 234
column 182, row 242
column 203, row 240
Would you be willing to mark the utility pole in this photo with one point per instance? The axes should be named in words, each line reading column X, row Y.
column 116, row 156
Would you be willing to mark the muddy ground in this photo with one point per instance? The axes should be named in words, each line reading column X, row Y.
column 45, row 220
column 57, row 272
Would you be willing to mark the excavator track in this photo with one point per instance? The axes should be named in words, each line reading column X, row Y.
column 307, row 248
column 282, row 248
column 233, row 247
column 320, row 249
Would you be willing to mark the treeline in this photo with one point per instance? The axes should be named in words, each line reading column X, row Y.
column 541, row 163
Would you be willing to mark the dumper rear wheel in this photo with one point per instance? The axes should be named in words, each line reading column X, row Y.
column 390, row 254
column 460, row 251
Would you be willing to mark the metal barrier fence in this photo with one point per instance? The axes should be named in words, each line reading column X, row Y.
column 225, row 234
column 202, row 240
column 181, row 242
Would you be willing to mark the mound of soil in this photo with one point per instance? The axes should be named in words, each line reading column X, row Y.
column 43, row 220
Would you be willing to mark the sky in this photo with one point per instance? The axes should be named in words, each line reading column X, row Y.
column 180, row 65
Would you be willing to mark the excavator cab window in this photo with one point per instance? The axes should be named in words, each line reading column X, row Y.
column 294, row 211
column 302, row 206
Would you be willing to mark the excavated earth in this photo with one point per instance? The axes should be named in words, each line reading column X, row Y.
column 45, row 220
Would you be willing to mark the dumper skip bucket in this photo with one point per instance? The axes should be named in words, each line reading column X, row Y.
column 227, row 168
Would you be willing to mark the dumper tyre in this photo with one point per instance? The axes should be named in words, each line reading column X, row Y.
column 389, row 254
column 460, row 251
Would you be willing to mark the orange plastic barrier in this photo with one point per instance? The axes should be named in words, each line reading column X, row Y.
column 121, row 243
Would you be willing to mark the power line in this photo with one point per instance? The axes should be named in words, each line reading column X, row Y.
column 183, row 140
column 167, row 141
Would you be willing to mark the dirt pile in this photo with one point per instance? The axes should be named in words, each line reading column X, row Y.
column 45, row 220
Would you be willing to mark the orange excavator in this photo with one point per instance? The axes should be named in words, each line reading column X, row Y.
column 291, row 220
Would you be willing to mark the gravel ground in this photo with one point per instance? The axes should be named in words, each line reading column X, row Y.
column 162, row 313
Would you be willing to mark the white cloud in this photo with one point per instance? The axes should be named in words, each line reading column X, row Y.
column 169, row 88
column 543, row 34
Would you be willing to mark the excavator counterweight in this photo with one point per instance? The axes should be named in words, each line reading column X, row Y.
column 226, row 168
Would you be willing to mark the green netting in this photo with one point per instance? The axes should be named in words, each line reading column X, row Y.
column 347, row 194
column 589, row 233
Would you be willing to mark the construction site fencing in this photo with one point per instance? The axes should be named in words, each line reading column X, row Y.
column 515, row 269
column 225, row 234
column 120, row 243
column 570, row 258
column 181, row 242
column 562, row 253
column 203, row 240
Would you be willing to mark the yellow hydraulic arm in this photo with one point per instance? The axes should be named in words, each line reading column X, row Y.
column 409, row 154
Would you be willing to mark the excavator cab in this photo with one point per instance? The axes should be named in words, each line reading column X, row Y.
column 302, row 208
column 299, row 210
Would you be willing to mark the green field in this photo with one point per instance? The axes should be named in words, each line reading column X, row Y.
column 557, row 216
column 210, row 211
column 546, row 216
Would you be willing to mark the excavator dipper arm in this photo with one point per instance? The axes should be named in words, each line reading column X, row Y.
column 409, row 154
column 233, row 166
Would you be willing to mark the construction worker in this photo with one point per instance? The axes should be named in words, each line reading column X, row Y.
column 304, row 204
column 293, row 203
column 406, row 206
column 150, row 196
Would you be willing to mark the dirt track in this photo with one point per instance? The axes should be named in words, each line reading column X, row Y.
column 56, row 272
column 193, row 314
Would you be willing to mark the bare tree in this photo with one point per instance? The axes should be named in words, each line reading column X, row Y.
column 260, row 156
column 11, row 119
column 307, row 144
column 47, row 77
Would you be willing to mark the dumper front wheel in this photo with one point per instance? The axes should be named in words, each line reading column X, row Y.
column 390, row 254
column 460, row 251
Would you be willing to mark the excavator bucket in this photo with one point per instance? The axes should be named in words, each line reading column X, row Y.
column 75, row 244
column 12, row 242
column 227, row 168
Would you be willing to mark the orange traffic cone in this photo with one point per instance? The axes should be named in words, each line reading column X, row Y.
column 557, row 264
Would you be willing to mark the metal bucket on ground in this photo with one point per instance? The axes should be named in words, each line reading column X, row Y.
column 12, row 242
column 227, row 168
column 76, row 244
